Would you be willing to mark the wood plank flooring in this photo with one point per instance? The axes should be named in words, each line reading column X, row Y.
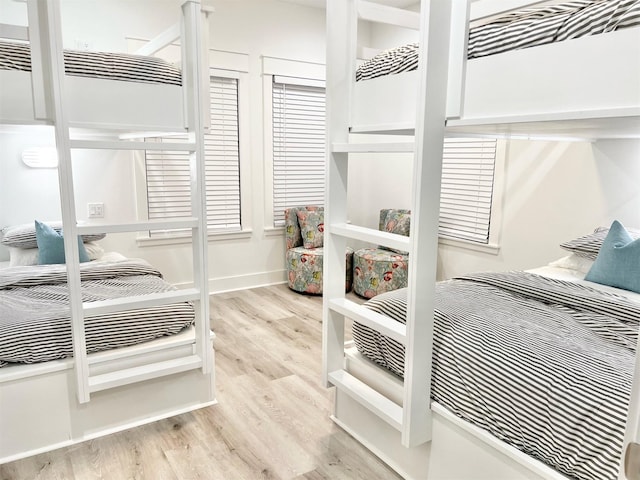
column 271, row 422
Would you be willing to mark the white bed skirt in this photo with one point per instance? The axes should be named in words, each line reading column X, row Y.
column 98, row 103
column 457, row 450
column 40, row 412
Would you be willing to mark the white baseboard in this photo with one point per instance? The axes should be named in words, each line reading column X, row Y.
column 241, row 282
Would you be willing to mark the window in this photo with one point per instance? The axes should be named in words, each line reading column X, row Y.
column 467, row 189
column 168, row 173
column 298, row 144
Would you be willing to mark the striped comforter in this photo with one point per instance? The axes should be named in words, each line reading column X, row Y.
column 34, row 311
column 523, row 29
column 544, row 365
column 108, row 66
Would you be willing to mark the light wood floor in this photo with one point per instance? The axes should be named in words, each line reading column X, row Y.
column 271, row 422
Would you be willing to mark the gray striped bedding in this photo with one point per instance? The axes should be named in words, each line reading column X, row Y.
column 589, row 245
column 523, row 29
column 109, row 66
column 545, row 365
column 34, row 311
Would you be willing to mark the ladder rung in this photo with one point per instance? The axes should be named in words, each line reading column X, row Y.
column 374, row 147
column 380, row 323
column 104, row 307
column 371, row 235
column 368, row 397
column 131, row 145
column 96, row 228
column 143, row 372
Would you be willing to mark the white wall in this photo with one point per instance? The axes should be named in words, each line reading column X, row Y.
column 551, row 192
column 253, row 27
column 554, row 192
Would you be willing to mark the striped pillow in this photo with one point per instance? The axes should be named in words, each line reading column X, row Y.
column 24, row 236
column 589, row 245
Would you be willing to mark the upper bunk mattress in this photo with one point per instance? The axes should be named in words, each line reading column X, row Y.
column 543, row 364
column 108, row 66
column 522, row 29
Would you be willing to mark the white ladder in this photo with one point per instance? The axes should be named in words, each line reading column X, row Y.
column 413, row 419
column 45, row 28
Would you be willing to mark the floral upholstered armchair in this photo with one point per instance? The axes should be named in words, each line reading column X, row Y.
column 382, row 269
column 304, row 228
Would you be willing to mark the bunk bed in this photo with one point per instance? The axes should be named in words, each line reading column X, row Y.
column 581, row 89
column 98, row 383
column 535, row 373
column 550, row 91
column 129, row 86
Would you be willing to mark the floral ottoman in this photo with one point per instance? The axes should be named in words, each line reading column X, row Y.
column 376, row 271
column 304, row 269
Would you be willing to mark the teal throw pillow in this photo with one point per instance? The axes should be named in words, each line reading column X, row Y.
column 51, row 245
column 618, row 262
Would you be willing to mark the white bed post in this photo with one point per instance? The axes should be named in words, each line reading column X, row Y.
column 53, row 62
column 41, row 99
column 425, row 213
column 630, row 461
column 197, row 105
column 341, row 47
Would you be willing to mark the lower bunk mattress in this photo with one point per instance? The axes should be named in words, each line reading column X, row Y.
column 35, row 323
column 543, row 364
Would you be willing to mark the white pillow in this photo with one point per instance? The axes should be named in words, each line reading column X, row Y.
column 20, row 257
column 574, row 262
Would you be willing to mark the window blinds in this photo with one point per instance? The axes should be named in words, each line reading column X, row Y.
column 168, row 173
column 222, row 153
column 298, row 146
column 299, row 159
column 467, row 188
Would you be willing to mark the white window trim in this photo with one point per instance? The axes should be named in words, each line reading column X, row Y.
column 279, row 67
column 143, row 239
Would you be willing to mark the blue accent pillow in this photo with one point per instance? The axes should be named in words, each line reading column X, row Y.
column 51, row 245
column 618, row 262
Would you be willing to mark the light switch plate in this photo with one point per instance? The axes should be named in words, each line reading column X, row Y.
column 95, row 210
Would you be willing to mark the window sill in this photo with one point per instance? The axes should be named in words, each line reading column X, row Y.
column 186, row 239
column 491, row 248
column 273, row 231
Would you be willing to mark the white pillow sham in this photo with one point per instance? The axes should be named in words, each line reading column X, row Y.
column 20, row 257
column 573, row 262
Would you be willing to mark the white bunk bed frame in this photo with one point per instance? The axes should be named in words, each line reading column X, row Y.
column 468, row 98
column 55, row 404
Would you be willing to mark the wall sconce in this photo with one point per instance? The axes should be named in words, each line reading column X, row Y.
column 40, row 157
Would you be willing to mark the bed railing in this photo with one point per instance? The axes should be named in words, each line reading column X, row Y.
column 35, row 34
